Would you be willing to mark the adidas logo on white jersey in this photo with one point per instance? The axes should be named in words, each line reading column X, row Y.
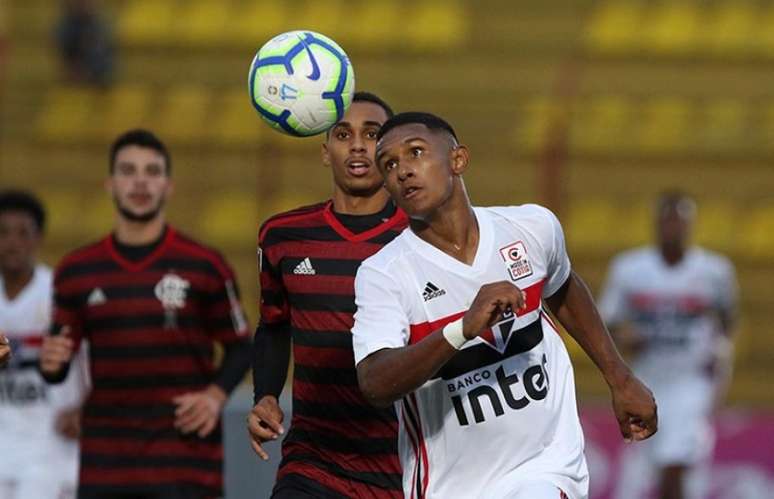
column 432, row 291
column 96, row 297
column 304, row 267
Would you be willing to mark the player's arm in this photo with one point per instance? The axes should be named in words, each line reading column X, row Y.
column 633, row 403
column 60, row 344
column 388, row 374
column 5, row 350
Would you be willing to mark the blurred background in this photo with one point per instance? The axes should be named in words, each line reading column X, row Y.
column 590, row 107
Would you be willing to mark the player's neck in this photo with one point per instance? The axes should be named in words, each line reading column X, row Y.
column 14, row 282
column 453, row 231
column 672, row 255
column 348, row 204
column 139, row 233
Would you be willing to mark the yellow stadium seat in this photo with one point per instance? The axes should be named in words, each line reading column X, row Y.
column 715, row 224
column 148, row 21
column 756, row 234
column 127, row 106
column 535, row 120
column 672, row 28
column 64, row 211
column 229, row 217
column 253, row 22
column 66, row 114
column 326, row 17
column 237, row 123
column 729, row 29
column 601, row 125
column 724, row 125
column 614, row 27
column 376, row 24
column 764, row 35
column 767, row 125
column 589, row 224
column 665, row 125
column 436, row 25
column 203, row 22
column 97, row 214
column 182, row 114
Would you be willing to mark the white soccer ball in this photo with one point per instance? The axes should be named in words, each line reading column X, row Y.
column 301, row 83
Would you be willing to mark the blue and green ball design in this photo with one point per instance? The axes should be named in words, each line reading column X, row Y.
column 301, row 83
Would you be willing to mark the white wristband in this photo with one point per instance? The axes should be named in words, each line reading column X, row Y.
column 453, row 334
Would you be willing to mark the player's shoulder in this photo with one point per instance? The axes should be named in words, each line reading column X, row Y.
column 85, row 253
column 712, row 259
column 521, row 212
column 44, row 273
column 194, row 249
column 275, row 224
column 390, row 254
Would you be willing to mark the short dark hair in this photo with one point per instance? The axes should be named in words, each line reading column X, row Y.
column 373, row 99
column 676, row 199
column 430, row 120
column 17, row 200
column 143, row 138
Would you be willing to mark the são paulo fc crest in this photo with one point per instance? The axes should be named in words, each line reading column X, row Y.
column 516, row 260
column 171, row 291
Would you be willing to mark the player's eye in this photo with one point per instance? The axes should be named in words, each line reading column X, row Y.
column 417, row 152
column 389, row 165
column 342, row 135
column 371, row 134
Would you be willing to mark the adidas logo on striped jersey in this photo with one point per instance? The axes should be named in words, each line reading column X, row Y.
column 432, row 291
column 304, row 267
column 96, row 297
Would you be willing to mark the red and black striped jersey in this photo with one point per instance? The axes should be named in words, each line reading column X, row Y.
column 151, row 326
column 309, row 258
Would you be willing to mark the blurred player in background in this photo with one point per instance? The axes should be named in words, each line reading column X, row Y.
column 450, row 323
column 40, row 424
column 338, row 445
column 672, row 307
column 152, row 304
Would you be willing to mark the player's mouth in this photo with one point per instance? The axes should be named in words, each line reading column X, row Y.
column 358, row 167
column 140, row 197
column 410, row 192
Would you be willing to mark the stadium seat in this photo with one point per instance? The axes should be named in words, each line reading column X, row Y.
column 236, row 122
column 614, row 27
column 715, row 224
column 731, row 29
column 182, row 115
column 672, row 28
column 665, row 125
column 227, row 217
column 723, row 126
column 147, row 22
column 67, row 114
column 533, row 122
column 756, row 235
column 127, row 106
column 601, row 125
column 203, row 22
column 436, row 25
column 253, row 22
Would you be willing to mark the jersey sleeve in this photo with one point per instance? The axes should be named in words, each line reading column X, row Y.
column 274, row 307
column 380, row 321
column 558, row 262
column 727, row 288
column 612, row 302
column 67, row 306
column 223, row 310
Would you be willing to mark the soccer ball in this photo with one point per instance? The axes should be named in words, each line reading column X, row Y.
column 301, row 83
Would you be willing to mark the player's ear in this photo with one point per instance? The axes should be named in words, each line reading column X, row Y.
column 460, row 157
column 326, row 157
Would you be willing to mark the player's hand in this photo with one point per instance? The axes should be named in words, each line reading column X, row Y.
column 5, row 350
column 199, row 411
column 635, row 409
column 491, row 302
column 68, row 423
column 265, row 424
column 56, row 351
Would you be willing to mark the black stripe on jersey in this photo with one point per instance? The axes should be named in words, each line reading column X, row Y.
column 319, row 301
column 134, row 433
column 283, row 233
column 340, row 411
column 145, row 321
column 326, row 375
column 156, row 381
column 104, row 461
column 166, row 352
column 339, row 443
column 136, row 291
column 125, row 490
column 478, row 356
column 322, row 339
column 88, row 268
column 122, row 413
column 324, row 266
column 388, row 481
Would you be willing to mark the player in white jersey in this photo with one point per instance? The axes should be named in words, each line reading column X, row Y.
column 673, row 307
column 38, row 459
column 451, row 326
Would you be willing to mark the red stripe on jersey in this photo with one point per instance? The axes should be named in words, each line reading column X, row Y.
column 412, row 438
column 342, row 250
column 397, row 218
column 151, row 336
column 131, row 446
column 347, row 488
column 130, row 421
column 34, row 340
column 329, row 284
column 204, row 253
column 422, row 446
column 139, row 396
column 323, row 321
column 312, row 392
column 151, row 475
column 182, row 364
column 284, row 219
column 419, row 331
column 370, row 428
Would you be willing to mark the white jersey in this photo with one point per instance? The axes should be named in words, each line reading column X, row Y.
column 503, row 409
column 33, row 451
column 674, row 308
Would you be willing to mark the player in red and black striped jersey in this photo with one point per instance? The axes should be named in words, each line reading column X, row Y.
column 152, row 303
column 337, row 444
